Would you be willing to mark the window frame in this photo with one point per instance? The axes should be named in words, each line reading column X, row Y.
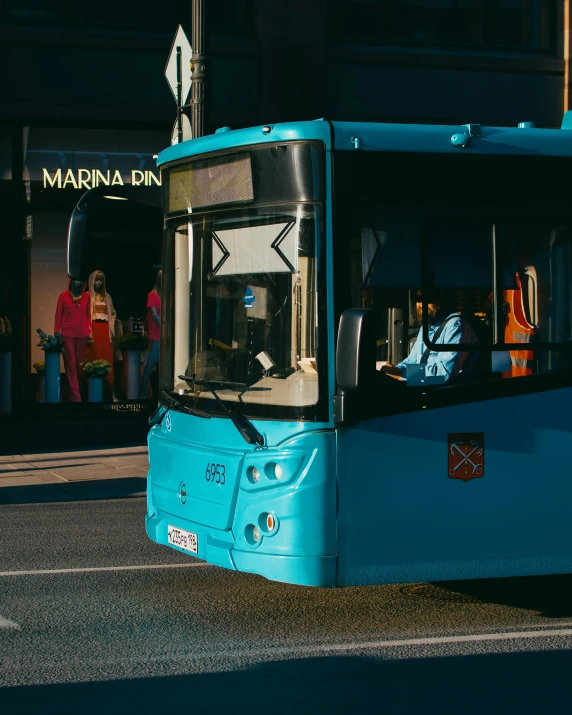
column 497, row 344
column 317, row 412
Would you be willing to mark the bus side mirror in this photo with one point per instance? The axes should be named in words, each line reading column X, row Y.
column 93, row 208
column 355, row 352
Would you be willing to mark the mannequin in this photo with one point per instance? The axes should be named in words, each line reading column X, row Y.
column 73, row 322
column 154, row 333
column 103, row 317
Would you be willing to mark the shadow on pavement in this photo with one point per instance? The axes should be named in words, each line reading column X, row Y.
column 551, row 596
column 69, row 454
column 122, row 487
column 29, row 468
column 502, row 683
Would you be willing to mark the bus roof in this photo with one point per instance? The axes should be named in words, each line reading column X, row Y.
column 369, row 136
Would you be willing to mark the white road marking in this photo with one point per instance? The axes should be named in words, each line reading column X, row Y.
column 437, row 640
column 321, row 648
column 6, row 623
column 375, row 645
column 43, row 572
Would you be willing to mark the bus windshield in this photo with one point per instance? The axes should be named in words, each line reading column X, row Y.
column 239, row 310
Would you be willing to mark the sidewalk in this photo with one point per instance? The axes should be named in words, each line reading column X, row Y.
column 73, row 475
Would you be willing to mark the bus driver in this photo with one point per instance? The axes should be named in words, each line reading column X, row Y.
column 446, row 326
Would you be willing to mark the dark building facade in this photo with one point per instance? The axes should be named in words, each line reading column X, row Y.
column 85, row 101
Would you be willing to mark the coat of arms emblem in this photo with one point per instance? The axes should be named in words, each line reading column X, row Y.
column 466, row 452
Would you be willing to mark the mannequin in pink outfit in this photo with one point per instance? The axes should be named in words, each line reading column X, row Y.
column 73, row 321
column 154, row 332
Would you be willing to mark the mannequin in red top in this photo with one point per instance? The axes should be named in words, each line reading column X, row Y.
column 154, row 333
column 73, row 321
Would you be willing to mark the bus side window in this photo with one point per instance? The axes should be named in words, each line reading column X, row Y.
column 518, row 328
column 538, row 307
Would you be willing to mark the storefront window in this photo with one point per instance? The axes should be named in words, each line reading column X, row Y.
column 60, row 165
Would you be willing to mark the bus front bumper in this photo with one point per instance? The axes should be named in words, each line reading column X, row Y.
column 217, row 548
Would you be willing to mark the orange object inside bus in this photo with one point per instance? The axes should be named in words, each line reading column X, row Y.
column 518, row 330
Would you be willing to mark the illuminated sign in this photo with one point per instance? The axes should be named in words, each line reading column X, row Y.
column 90, row 178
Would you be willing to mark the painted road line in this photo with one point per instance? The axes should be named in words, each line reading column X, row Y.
column 322, row 648
column 440, row 640
column 325, row 648
column 45, row 572
column 400, row 643
column 6, row 623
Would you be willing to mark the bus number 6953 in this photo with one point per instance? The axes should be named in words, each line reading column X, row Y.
column 216, row 473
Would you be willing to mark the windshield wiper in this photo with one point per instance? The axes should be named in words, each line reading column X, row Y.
column 247, row 430
column 175, row 405
column 225, row 383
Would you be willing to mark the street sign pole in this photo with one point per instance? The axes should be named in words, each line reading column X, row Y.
column 179, row 96
column 199, row 69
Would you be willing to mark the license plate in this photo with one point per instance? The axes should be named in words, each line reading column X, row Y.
column 183, row 539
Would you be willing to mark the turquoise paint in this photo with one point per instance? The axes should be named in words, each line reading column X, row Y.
column 373, row 503
column 295, row 131
column 384, row 137
column 302, row 546
column 409, row 521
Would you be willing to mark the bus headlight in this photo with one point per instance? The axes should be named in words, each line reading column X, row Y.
column 273, row 471
column 253, row 474
column 252, row 535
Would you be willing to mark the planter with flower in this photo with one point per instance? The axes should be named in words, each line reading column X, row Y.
column 5, row 368
column 95, row 371
column 40, row 368
column 133, row 344
column 52, row 346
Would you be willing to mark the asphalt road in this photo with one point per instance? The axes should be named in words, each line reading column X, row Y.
column 97, row 627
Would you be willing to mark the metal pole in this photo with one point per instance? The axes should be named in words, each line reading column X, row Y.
column 179, row 97
column 199, row 69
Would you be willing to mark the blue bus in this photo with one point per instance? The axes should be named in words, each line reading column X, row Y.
column 295, row 436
